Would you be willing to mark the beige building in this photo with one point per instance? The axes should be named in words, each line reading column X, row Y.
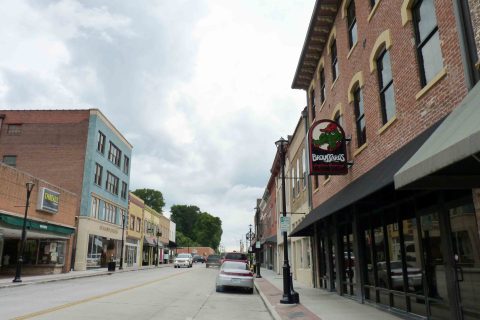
column 134, row 238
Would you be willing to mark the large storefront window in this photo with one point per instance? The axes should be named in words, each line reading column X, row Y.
column 102, row 250
column 349, row 278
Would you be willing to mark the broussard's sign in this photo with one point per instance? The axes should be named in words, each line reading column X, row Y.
column 48, row 200
column 327, row 148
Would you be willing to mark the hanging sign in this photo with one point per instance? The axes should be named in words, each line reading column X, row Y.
column 48, row 200
column 284, row 224
column 327, row 148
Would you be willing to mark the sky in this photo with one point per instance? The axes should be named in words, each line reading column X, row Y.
column 201, row 89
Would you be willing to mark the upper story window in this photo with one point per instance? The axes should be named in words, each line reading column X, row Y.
column 123, row 194
column 292, row 180
column 338, row 118
column 139, row 223
column 359, row 116
column 109, row 213
column 10, row 160
column 304, row 164
column 98, row 174
column 312, row 104
column 333, row 50
column 126, row 164
column 101, row 142
column 114, row 154
column 427, row 40
column 352, row 24
column 112, row 183
column 385, row 82
column 322, row 85
column 298, row 177
column 95, row 207
column 132, row 223
column 14, row 129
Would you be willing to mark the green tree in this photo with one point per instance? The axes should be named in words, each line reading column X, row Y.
column 185, row 218
column 184, row 241
column 208, row 230
column 152, row 198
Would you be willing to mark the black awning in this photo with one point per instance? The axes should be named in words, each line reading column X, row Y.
column 272, row 239
column 375, row 179
column 172, row 244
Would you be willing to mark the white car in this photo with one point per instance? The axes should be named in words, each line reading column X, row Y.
column 183, row 260
column 234, row 274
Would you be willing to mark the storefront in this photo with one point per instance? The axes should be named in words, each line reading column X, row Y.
column 149, row 255
column 47, row 246
column 132, row 253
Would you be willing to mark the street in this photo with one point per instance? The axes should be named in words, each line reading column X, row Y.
column 164, row 293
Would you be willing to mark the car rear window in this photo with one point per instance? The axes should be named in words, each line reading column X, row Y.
column 235, row 265
column 184, row 255
column 213, row 257
column 236, row 256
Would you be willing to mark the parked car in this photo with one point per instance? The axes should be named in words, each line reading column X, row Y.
column 234, row 274
column 183, row 260
column 234, row 256
column 198, row 258
column 213, row 260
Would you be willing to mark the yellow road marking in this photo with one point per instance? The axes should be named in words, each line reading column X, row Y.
column 73, row 303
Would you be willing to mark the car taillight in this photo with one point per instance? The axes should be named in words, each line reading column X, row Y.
column 237, row 274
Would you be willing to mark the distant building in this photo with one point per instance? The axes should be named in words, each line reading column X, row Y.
column 81, row 151
column 201, row 251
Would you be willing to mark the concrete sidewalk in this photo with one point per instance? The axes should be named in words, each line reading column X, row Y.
column 6, row 282
column 314, row 304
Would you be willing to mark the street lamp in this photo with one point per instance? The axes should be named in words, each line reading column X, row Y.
column 287, row 294
column 257, row 249
column 159, row 234
column 18, row 276
column 123, row 232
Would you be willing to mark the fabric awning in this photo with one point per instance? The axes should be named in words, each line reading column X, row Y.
column 456, row 139
column 149, row 241
column 172, row 244
column 17, row 223
column 375, row 179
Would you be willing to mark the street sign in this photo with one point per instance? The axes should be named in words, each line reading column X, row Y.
column 257, row 245
column 284, row 223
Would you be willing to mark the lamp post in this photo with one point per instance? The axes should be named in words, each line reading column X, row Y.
column 257, row 246
column 287, row 294
column 159, row 234
column 123, row 232
column 18, row 273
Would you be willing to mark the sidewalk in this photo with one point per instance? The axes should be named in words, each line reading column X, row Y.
column 6, row 282
column 314, row 304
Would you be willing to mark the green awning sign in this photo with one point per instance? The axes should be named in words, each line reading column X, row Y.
column 48, row 200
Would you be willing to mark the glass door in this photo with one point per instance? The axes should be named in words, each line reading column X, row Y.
column 466, row 255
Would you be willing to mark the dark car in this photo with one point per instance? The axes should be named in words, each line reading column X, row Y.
column 198, row 259
column 235, row 256
column 213, row 261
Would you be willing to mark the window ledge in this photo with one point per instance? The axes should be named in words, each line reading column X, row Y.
column 326, row 181
column 431, row 84
column 335, row 82
column 351, row 50
column 374, row 9
column 387, row 125
column 359, row 150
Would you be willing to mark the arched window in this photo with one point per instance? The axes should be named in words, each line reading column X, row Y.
column 361, row 128
column 352, row 24
column 385, row 83
column 427, row 40
column 322, row 85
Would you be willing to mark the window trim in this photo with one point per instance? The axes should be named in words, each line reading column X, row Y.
column 359, row 117
column 101, row 139
column 352, row 24
column 334, row 60
column 384, row 87
column 112, row 157
column 114, row 185
column 98, row 181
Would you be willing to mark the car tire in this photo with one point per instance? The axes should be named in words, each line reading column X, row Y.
column 219, row 289
column 250, row 290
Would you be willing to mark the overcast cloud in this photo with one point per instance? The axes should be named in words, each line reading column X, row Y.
column 200, row 88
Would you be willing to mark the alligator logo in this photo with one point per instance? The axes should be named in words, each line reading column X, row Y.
column 330, row 136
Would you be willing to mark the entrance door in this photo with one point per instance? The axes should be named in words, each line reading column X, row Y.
column 466, row 254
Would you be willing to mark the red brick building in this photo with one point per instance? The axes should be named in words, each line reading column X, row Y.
column 201, row 251
column 49, row 229
column 400, row 229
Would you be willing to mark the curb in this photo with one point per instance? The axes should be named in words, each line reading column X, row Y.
column 270, row 308
column 98, row 274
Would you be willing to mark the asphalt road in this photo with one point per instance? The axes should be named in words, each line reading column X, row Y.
column 164, row 293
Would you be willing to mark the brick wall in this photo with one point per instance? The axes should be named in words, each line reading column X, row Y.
column 13, row 198
column 413, row 116
column 51, row 145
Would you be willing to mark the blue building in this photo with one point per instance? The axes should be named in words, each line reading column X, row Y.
column 104, row 196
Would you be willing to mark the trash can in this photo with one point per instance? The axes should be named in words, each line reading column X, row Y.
column 111, row 266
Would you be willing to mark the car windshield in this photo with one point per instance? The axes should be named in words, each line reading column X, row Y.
column 234, row 265
column 184, row 255
column 236, row 256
